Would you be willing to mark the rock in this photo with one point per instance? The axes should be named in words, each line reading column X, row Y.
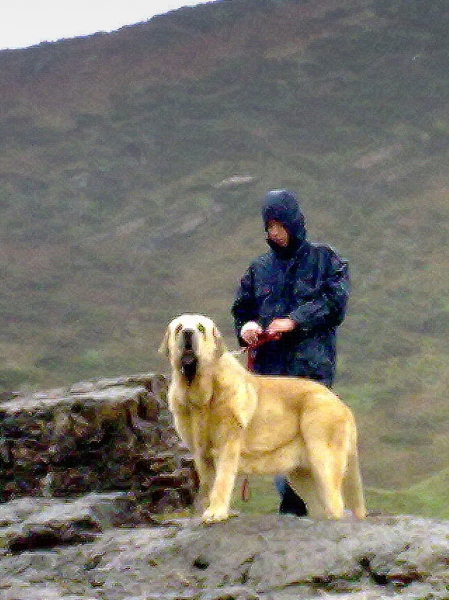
column 83, row 472
column 113, row 434
column 267, row 557
column 236, row 181
column 37, row 523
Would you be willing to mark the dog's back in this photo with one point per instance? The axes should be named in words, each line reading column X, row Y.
column 299, row 396
column 288, row 410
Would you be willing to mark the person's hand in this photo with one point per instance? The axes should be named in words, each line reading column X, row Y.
column 250, row 333
column 279, row 326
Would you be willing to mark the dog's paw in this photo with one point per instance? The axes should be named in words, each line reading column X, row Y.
column 215, row 515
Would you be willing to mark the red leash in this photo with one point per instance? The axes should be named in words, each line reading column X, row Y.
column 263, row 338
column 251, row 350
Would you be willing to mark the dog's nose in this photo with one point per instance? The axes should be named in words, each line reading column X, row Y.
column 188, row 336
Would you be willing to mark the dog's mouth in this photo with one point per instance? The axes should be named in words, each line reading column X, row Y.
column 188, row 356
column 189, row 365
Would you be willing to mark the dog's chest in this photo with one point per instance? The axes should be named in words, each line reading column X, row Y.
column 197, row 395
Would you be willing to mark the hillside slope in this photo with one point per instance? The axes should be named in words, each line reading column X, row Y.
column 120, row 205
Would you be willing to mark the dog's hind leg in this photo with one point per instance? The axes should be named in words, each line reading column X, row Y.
column 328, row 468
column 303, row 483
column 353, row 487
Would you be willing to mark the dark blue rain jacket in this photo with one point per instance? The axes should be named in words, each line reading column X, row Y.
column 306, row 282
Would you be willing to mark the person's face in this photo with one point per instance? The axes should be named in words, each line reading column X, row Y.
column 277, row 233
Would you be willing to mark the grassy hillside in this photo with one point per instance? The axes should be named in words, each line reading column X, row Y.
column 118, row 207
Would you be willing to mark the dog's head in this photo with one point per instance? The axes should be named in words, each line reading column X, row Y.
column 192, row 342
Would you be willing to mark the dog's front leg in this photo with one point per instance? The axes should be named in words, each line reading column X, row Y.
column 206, row 472
column 201, row 451
column 227, row 457
column 190, row 425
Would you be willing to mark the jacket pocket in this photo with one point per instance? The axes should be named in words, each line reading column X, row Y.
column 262, row 291
column 304, row 289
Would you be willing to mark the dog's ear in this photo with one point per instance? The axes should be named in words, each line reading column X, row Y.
column 219, row 342
column 164, row 348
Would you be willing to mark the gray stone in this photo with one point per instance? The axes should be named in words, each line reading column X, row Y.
column 267, row 557
column 83, row 472
column 113, row 434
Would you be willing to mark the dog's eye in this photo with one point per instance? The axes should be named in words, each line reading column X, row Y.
column 201, row 328
column 178, row 329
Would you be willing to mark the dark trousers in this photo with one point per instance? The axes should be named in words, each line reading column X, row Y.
column 291, row 503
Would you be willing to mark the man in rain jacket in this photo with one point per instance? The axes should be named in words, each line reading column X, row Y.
column 295, row 296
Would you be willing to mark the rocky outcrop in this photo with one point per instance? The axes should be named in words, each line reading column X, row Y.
column 84, row 472
column 42, row 523
column 103, row 436
column 267, row 557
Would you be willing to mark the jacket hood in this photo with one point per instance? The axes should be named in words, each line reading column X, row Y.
column 282, row 206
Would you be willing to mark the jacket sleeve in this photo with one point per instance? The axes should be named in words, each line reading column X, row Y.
column 326, row 307
column 244, row 307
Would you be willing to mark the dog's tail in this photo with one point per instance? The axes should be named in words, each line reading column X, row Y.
column 353, row 486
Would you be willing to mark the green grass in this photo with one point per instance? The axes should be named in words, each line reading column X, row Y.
column 260, row 498
column 428, row 498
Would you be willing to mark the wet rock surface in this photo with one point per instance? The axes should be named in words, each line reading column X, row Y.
column 249, row 557
column 108, row 435
column 86, row 475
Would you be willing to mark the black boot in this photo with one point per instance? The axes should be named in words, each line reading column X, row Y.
column 291, row 503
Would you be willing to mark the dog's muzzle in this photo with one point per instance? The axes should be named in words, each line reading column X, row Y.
column 187, row 337
column 189, row 358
